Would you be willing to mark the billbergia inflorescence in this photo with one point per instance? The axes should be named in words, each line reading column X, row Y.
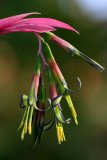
column 34, row 103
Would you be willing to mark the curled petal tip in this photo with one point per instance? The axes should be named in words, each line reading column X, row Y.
column 80, row 83
column 74, row 91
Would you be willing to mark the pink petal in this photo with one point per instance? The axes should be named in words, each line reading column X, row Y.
column 48, row 22
column 28, row 28
column 7, row 22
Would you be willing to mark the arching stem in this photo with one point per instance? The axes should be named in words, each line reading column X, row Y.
column 40, row 51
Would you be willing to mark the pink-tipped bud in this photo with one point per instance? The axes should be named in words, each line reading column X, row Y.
column 71, row 49
column 61, row 42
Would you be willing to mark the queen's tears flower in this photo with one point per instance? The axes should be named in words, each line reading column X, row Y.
column 62, row 85
column 55, row 104
column 29, row 102
column 54, row 98
column 71, row 49
column 35, row 103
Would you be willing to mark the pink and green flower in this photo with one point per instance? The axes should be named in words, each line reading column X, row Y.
column 35, row 102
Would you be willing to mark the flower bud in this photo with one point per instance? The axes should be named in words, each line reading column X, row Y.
column 71, row 49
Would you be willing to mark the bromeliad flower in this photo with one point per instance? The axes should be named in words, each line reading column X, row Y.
column 62, row 85
column 34, row 104
column 29, row 102
column 55, row 104
column 71, row 49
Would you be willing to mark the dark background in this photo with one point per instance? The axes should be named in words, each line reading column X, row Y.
column 88, row 141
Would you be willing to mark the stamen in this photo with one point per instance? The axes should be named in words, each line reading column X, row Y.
column 60, row 133
column 23, row 120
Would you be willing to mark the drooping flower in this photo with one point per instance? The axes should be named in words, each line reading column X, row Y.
column 71, row 49
column 34, row 104
column 29, row 102
column 59, row 78
column 55, row 104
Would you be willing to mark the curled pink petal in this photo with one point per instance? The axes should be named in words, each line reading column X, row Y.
column 7, row 22
column 28, row 28
column 48, row 22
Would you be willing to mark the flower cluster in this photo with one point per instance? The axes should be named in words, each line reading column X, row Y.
column 35, row 103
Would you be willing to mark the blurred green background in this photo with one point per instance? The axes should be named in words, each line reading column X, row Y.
column 88, row 141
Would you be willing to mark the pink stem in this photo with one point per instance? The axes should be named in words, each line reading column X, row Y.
column 40, row 50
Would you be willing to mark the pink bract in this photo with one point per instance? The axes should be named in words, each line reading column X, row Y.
column 28, row 28
column 39, row 25
column 9, row 21
column 47, row 22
